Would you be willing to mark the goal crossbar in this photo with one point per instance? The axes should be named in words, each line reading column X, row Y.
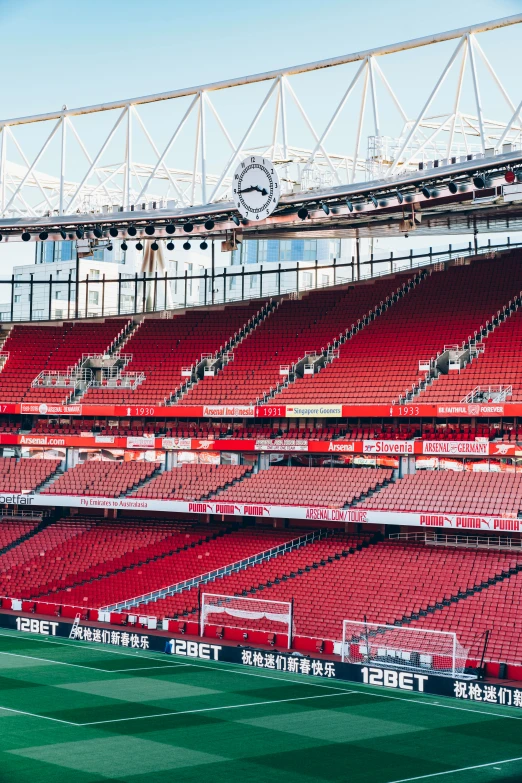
column 405, row 647
column 246, row 613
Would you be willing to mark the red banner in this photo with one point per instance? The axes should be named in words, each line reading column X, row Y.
column 412, row 410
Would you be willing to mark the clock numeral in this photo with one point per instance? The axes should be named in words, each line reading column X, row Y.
column 252, row 160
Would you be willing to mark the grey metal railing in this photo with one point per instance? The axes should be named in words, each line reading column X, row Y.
column 141, row 293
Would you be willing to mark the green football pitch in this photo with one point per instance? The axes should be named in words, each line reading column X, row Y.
column 74, row 712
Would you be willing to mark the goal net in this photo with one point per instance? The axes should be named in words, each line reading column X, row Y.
column 413, row 649
column 248, row 615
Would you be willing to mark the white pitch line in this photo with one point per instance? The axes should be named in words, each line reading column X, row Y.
column 43, row 717
column 213, row 709
column 454, row 771
column 308, row 681
column 161, row 667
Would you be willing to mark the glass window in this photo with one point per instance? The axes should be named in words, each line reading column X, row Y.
column 262, row 251
column 18, row 298
column 94, row 297
column 58, row 294
column 66, row 251
column 94, row 274
column 309, row 249
column 58, row 314
column 250, row 251
column 297, row 252
column 285, row 250
column 307, row 279
column 5, row 316
column 273, row 250
column 38, row 313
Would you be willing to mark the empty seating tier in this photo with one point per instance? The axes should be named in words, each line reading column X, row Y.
column 33, row 349
column 336, row 487
column 296, row 328
column 104, row 479
column 444, row 491
column 161, row 348
column 172, row 568
column 381, row 362
column 192, row 482
column 25, row 475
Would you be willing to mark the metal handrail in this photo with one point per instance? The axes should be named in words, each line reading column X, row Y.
column 396, row 264
column 217, row 573
column 445, row 539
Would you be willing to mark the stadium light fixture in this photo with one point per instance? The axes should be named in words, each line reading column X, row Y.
column 113, row 231
column 426, row 192
column 124, row 245
column 186, row 246
column 204, row 245
column 400, row 197
column 154, row 247
column 109, row 247
column 209, row 224
column 63, row 234
column 480, row 181
column 149, row 230
column 510, row 176
column 453, row 187
column 373, row 200
column 79, row 232
column 170, row 245
column 98, row 233
column 26, row 236
column 43, row 235
column 131, row 231
column 302, row 213
column 349, row 205
column 170, row 228
column 325, row 208
column 518, row 175
column 1, row 237
column 139, row 246
column 235, row 219
column 188, row 227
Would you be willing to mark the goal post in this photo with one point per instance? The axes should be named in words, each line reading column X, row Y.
column 247, row 614
column 403, row 647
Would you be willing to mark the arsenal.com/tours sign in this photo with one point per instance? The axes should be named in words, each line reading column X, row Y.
column 267, row 511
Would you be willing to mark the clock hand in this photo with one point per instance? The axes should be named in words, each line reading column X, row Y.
column 255, row 187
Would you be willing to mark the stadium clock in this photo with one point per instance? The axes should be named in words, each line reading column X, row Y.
column 256, row 188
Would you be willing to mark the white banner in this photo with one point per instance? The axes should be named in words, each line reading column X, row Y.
column 325, row 411
column 471, row 447
column 281, row 444
column 228, row 411
column 395, row 447
column 315, row 513
column 177, row 444
column 141, row 443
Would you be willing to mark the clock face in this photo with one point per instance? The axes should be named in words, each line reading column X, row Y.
column 256, row 188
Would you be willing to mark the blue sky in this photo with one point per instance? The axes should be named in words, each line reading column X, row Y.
column 77, row 53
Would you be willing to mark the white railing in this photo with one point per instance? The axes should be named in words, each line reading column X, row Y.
column 63, row 379
column 475, row 542
column 489, row 394
column 130, row 380
column 218, row 573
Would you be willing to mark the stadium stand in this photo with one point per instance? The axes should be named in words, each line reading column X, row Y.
column 172, row 568
column 307, row 486
column 499, row 365
column 295, row 328
column 161, row 348
column 106, row 479
column 380, row 363
column 443, row 491
column 192, row 482
column 26, row 475
column 33, row 349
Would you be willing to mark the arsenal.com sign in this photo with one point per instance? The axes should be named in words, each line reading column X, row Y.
column 268, row 511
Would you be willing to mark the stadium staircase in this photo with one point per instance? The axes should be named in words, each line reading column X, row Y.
column 328, row 355
column 226, row 354
column 469, row 352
